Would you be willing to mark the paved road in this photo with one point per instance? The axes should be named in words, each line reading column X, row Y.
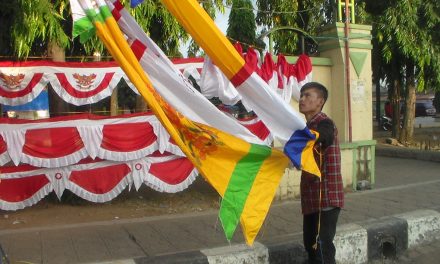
column 425, row 254
column 402, row 185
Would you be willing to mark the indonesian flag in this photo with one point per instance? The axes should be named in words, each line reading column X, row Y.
column 285, row 72
column 269, row 72
column 303, row 75
column 246, row 175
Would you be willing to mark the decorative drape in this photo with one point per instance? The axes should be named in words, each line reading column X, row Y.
column 76, row 83
column 95, row 157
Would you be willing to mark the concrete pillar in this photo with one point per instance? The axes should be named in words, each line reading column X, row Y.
column 332, row 45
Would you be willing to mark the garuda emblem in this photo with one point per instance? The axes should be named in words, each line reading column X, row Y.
column 84, row 81
column 12, row 81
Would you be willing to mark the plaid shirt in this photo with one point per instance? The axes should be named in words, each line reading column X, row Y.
column 332, row 186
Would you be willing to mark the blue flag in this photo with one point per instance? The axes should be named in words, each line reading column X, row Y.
column 134, row 3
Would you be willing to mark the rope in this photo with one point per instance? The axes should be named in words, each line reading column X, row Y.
column 319, row 152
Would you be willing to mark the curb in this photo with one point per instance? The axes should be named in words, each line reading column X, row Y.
column 396, row 152
column 355, row 243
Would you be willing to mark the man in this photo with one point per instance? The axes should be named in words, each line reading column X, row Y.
column 321, row 198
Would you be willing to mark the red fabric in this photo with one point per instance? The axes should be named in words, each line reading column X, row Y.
column 238, row 47
column 251, row 59
column 173, row 171
column 187, row 60
column 259, row 129
column 100, row 180
column 332, row 185
column 6, row 92
column 70, row 118
column 267, row 68
column 79, row 94
column 303, row 67
column 281, row 69
column 102, row 64
column 127, row 137
column 115, row 12
column 20, row 189
column 138, row 49
column 3, row 146
column 241, row 76
column 52, row 142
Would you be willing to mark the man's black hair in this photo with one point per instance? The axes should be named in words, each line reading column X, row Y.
column 319, row 87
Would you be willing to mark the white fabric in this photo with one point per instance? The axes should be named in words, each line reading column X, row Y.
column 59, row 181
column 278, row 116
column 214, row 83
column 14, row 141
column 174, row 87
column 91, row 135
column 28, row 75
column 13, row 206
column 4, row 158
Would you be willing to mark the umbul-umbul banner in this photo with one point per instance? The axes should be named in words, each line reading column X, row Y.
column 246, row 175
column 279, row 117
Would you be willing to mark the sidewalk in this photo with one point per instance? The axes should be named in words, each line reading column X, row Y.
column 402, row 187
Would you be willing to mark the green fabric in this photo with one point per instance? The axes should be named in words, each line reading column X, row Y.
column 83, row 28
column 239, row 186
column 105, row 12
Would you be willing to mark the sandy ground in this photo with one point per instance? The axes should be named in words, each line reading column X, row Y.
column 145, row 202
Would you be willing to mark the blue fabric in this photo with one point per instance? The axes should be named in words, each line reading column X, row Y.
column 41, row 102
column 134, row 3
column 296, row 144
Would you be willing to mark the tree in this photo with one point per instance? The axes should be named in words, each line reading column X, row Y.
column 36, row 28
column 241, row 23
column 33, row 27
column 405, row 37
column 306, row 15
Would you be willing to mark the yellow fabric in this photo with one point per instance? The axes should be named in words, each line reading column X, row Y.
column 308, row 158
column 213, row 152
column 198, row 23
column 266, row 181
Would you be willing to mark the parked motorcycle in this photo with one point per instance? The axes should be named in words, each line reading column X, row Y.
column 386, row 123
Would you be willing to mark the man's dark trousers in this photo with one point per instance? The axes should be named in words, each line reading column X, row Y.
column 325, row 252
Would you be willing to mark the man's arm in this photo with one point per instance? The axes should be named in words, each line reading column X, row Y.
column 326, row 132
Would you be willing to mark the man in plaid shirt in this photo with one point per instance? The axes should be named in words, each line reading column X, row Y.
column 321, row 198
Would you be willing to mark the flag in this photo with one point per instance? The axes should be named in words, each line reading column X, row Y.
column 169, row 81
column 246, row 175
column 283, row 122
column 213, row 83
column 134, row 3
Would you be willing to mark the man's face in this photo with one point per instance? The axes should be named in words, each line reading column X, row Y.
column 310, row 101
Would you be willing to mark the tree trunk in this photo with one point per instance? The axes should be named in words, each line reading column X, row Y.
column 57, row 105
column 114, row 102
column 141, row 105
column 407, row 132
column 395, row 103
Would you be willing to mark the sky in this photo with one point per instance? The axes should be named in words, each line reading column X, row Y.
column 221, row 21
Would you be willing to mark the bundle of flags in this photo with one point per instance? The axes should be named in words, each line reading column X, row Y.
column 243, row 170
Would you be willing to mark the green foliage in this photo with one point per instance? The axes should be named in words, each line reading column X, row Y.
column 306, row 15
column 407, row 32
column 33, row 24
column 28, row 26
column 406, row 49
column 241, row 23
